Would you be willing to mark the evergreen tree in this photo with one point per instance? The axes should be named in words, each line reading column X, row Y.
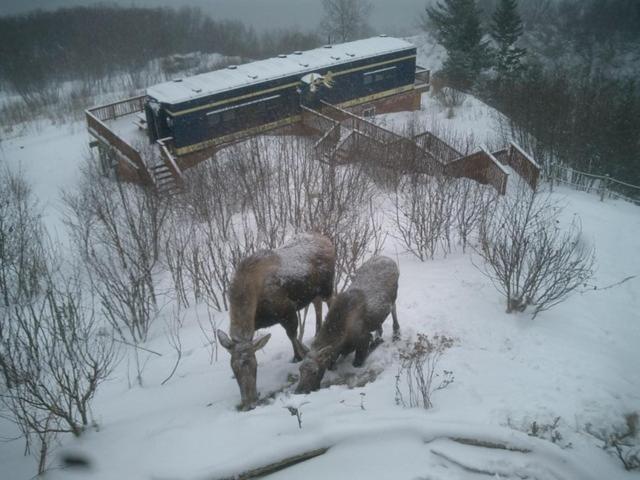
column 458, row 29
column 506, row 28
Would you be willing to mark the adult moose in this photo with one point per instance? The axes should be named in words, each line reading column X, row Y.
column 353, row 315
column 269, row 287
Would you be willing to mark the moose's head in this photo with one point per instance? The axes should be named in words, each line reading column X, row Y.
column 244, row 365
column 312, row 369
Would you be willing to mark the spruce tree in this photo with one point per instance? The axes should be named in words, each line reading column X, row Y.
column 458, row 29
column 506, row 28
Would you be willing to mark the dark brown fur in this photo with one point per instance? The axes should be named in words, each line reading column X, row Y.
column 353, row 315
column 269, row 287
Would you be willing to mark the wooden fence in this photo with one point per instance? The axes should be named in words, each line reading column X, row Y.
column 482, row 167
column 602, row 185
column 440, row 149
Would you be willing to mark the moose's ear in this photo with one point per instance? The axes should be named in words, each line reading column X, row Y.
column 324, row 355
column 258, row 344
column 225, row 341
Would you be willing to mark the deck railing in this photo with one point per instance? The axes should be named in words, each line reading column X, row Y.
column 440, row 149
column 423, row 78
column 111, row 111
column 482, row 167
column 169, row 161
column 96, row 117
column 354, row 122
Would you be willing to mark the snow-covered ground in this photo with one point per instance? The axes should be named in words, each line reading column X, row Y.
column 578, row 361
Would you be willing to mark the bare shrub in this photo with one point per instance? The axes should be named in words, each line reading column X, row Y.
column 529, row 258
column 256, row 175
column 416, row 379
column 423, row 214
column 473, row 202
column 23, row 262
column 212, row 257
column 208, row 234
column 254, row 196
column 119, row 230
column 174, row 325
column 345, row 211
column 291, row 192
column 59, row 356
column 357, row 238
column 622, row 441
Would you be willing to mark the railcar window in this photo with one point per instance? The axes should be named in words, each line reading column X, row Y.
column 213, row 119
column 380, row 75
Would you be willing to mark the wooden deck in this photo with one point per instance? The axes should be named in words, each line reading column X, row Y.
column 120, row 135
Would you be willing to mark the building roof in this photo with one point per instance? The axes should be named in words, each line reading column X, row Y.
column 232, row 77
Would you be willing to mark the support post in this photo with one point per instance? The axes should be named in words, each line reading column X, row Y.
column 604, row 187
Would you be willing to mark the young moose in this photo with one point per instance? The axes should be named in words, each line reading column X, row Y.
column 353, row 315
column 269, row 287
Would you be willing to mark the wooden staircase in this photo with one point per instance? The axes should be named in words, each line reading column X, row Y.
column 346, row 137
column 164, row 180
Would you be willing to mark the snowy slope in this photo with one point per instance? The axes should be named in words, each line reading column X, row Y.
column 577, row 362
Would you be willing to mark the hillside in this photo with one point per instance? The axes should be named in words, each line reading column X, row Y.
column 576, row 363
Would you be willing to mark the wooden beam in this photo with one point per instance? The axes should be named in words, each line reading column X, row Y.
column 277, row 466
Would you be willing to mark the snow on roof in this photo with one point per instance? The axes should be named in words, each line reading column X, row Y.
column 236, row 76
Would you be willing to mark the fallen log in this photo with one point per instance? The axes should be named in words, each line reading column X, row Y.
column 277, row 466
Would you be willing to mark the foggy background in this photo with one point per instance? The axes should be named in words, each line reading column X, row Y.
column 388, row 16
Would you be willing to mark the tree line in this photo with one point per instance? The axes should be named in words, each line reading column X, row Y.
column 95, row 42
column 564, row 98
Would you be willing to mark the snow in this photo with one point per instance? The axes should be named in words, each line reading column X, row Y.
column 126, row 128
column 375, row 278
column 296, row 256
column 218, row 81
column 577, row 361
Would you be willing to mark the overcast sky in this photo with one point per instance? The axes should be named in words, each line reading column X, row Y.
column 388, row 16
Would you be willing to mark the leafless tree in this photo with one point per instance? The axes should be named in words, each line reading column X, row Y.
column 23, row 262
column 423, row 214
column 528, row 255
column 473, row 202
column 119, row 231
column 174, row 325
column 345, row 20
column 58, row 357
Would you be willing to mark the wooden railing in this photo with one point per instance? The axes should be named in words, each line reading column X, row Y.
column 111, row 111
column 316, row 120
column 327, row 143
column 169, row 160
column 96, row 117
column 440, row 149
column 423, row 78
column 524, row 165
column 482, row 167
column 110, row 139
column 354, row 122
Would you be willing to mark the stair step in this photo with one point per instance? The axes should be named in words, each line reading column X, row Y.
column 163, row 175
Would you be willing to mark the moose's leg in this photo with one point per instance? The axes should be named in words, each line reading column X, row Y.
column 377, row 338
column 396, row 325
column 290, row 324
column 317, row 306
column 362, row 349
